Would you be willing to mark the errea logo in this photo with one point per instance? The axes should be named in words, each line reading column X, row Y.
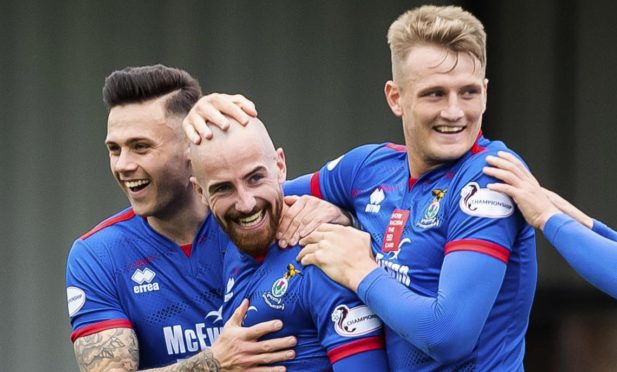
column 374, row 200
column 144, row 280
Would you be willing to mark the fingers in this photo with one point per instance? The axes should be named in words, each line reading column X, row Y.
column 288, row 225
column 267, row 369
column 503, row 188
column 307, row 254
column 235, row 106
column 238, row 315
column 269, row 359
column 189, row 130
column 246, row 105
column 261, row 329
column 211, row 109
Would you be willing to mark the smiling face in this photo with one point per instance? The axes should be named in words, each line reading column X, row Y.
column 239, row 175
column 148, row 157
column 440, row 97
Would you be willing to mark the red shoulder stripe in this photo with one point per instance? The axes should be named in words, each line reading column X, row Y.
column 315, row 190
column 394, row 146
column 119, row 218
column 100, row 326
column 481, row 246
column 355, row 347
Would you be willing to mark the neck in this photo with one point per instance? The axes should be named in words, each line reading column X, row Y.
column 182, row 224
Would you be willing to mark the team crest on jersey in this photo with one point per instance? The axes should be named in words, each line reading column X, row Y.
column 354, row 322
column 375, row 200
column 429, row 219
column 280, row 287
column 144, row 278
column 479, row 202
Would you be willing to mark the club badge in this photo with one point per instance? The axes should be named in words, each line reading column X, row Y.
column 279, row 288
column 429, row 219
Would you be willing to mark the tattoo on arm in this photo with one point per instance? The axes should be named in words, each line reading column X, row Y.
column 109, row 349
column 117, row 349
column 203, row 361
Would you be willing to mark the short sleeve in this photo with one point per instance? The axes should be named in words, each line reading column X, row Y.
column 481, row 219
column 344, row 324
column 93, row 302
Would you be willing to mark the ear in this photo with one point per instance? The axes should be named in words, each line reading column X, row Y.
column 281, row 166
column 198, row 189
column 393, row 96
column 485, row 94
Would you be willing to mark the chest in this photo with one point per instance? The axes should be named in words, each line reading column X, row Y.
column 275, row 290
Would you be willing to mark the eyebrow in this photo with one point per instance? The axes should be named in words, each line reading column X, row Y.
column 259, row 168
column 130, row 141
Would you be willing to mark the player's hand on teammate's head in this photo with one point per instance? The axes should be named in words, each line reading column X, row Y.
column 304, row 215
column 211, row 109
column 237, row 348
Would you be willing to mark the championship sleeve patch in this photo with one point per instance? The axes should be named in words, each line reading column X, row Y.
column 76, row 299
column 479, row 202
column 354, row 322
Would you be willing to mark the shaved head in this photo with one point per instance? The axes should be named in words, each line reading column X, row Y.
column 240, row 174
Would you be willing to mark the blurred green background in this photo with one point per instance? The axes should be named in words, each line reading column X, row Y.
column 316, row 71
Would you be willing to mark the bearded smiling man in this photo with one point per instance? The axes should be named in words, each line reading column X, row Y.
column 239, row 174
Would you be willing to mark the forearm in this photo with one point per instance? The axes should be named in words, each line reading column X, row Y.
column 203, row 361
column 593, row 256
column 604, row 230
column 447, row 326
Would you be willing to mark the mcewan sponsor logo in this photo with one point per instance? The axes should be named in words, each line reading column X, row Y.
column 144, row 278
column 180, row 340
column 398, row 271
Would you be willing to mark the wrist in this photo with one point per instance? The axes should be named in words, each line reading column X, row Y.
column 209, row 361
column 359, row 273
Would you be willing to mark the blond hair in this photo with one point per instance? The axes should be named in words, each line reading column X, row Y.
column 450, row 27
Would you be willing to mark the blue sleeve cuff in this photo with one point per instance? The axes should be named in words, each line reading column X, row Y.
column 601, row 229
column 367, row 283
column 554, row 224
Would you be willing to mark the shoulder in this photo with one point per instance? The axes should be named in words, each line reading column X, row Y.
column 105, row 234
column 110, row 223
column 371, row 153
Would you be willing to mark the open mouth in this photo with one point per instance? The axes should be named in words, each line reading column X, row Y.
column 252, row 220
column 136, row 185
column 447, row 129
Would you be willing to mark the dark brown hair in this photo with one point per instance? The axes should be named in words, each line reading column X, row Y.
column 143, row 83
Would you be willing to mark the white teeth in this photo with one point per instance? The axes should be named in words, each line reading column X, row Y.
column 251, row 220
column 137, row 183
column 447, row 129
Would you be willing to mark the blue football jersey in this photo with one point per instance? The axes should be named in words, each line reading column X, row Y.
column 414, row 223
column 125, row 274
column 328, row 320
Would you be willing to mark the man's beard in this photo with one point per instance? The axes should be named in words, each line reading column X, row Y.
column 254, row 242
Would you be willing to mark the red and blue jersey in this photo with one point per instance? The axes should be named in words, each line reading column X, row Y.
column 333, row 327
column 414, row 225
column 123, row 274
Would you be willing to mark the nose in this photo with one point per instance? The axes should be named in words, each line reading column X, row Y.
column 246, row 201
column 124, row 162
column 453, row 111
